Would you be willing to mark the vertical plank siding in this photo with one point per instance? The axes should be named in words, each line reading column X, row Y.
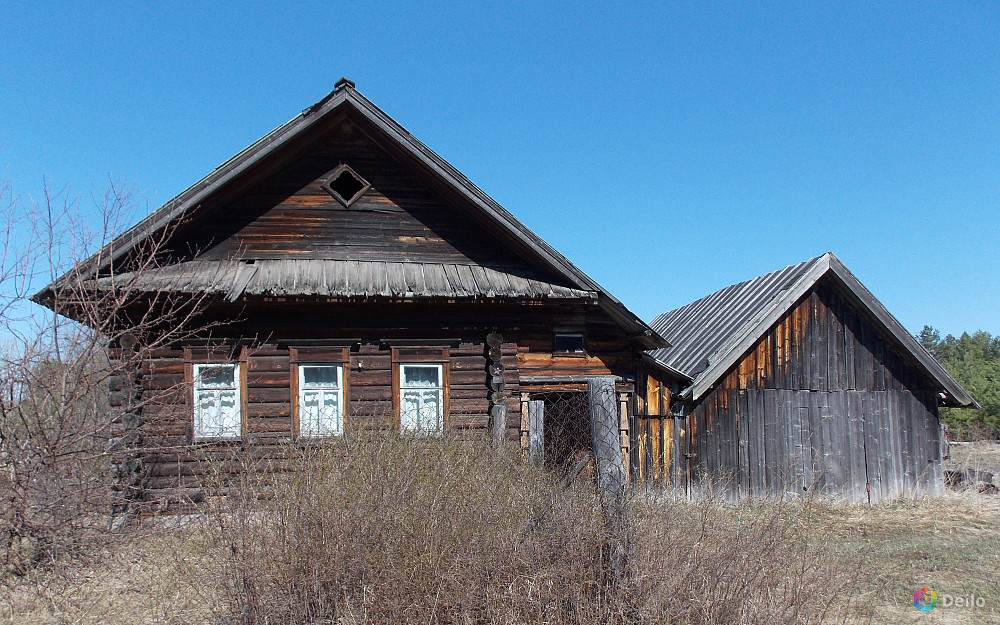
column 821, row 404
column 656, row 451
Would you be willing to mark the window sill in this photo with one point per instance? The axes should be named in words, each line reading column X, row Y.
column 570, row 355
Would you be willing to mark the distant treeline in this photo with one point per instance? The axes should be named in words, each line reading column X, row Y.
column 973, row 360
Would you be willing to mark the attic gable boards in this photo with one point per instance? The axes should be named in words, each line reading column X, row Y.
column 824, row 343
column 280, row 210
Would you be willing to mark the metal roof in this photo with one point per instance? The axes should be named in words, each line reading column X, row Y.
column 697, row 331
column 346, row 98
column 710, row 335
column 340, row 278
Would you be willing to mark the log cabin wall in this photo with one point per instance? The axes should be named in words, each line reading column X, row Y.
column 178, row 469
column 606, row 348
column 824, row 404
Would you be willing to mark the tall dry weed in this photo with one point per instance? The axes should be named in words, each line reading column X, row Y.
column 712, row 562
column 421, row 530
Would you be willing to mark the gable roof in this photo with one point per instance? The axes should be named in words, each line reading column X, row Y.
column 346, row 99
column 710, row 335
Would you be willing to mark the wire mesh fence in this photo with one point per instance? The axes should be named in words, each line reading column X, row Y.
column 566, row 435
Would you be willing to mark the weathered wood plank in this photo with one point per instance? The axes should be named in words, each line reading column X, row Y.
column 536, row 432
column 776, row 419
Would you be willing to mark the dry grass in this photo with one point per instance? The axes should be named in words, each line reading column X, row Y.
column 978, row 456
column 950, row 544
column 697, row 562
column 163, row 575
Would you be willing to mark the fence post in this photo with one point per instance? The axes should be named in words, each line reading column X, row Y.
column 610, row 469
column 536, row 432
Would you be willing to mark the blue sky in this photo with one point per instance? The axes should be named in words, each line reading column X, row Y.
column 668, row 150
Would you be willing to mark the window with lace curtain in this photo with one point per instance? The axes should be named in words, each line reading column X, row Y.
column 217, row 402
column 320, row 400
column 421, row 396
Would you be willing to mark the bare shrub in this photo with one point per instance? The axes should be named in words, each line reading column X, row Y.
column 58, row 430
column 382, row 528
column 386, row 529
column 711, row 562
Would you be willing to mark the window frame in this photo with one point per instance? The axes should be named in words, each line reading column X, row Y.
column 301, row 388
column 328, row 182
column 561, row 333
column 420, row 356
column 319, row 356
column 403, row 390
column 239, row 384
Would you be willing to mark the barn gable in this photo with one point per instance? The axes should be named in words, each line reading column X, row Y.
column 712, row 335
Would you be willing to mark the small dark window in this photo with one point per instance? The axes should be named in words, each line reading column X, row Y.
column 345, row 185
column 569, row 344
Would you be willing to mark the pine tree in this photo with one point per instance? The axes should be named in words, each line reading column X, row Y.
column 974, row 361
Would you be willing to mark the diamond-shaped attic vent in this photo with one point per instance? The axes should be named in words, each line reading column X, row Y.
column 345, row 185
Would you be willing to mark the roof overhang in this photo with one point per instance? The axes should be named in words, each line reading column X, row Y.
column 235, row 280
column 677, row 374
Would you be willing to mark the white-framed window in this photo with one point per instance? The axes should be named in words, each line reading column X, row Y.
column 321, row 400
column 217, row 402
column 421, row 397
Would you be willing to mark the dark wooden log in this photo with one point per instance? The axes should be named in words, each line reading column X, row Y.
column 497, row 386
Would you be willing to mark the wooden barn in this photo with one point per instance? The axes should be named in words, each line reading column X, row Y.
column 348, row 278
column 800, row 381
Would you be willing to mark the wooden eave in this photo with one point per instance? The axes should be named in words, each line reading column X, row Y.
column 830, row 266
column 236, row 280
column 345, row 99
column 673, row 372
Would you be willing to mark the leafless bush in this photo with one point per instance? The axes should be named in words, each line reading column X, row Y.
column 387, row 529
column 381, row 529
column 57, row 428
column 711, row 562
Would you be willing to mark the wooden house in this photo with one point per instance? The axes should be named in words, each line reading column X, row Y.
column 800, row 381
column 349, row 278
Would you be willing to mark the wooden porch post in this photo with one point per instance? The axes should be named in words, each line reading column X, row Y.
column 624, row 432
